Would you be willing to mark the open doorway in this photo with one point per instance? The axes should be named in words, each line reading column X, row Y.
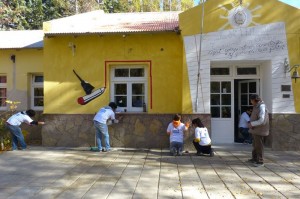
column 243, row 89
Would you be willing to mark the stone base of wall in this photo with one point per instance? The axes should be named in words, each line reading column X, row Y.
column 149, row 131
column 285, row 132
column 134, row 130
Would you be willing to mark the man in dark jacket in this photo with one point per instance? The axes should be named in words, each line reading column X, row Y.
column 259, row 128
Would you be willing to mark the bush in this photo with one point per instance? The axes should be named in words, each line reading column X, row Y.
column 5, row 139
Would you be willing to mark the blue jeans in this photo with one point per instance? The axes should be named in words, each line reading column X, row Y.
column 176, row 147
column 102, row 130
column 247, row 136
column 17, row 136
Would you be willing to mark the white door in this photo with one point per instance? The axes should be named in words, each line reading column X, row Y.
column 222, row 111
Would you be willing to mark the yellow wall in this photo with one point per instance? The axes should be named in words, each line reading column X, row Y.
column 62, row 88
column 270, row 11
column 28, row 61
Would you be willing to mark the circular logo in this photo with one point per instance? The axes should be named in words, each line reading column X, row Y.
column 239, row 17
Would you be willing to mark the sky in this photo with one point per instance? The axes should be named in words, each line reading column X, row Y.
column 295, row 3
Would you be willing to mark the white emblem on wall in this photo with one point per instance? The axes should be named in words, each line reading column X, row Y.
column 240, row 16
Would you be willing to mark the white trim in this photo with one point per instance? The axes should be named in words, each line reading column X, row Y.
column 128, row 81
column 34, row 85
column 4, row 85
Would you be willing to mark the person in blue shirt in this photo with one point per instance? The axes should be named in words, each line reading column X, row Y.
column 243, row 125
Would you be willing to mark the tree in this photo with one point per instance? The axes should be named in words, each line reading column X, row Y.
column 54, row 9
column 81, row 6
column 30, row 14
column 12, row 14
column 34, row 16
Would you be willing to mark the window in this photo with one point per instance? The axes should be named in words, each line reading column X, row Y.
column 37, row 92
column 220, row 99
column 220, row 71
column 3, row 91
column 246, row 71
column 129, row 85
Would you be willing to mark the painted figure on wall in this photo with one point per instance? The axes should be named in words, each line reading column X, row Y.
column 88, row 89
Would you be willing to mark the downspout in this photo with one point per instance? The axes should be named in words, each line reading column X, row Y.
column 199, row 60
column 13, row 59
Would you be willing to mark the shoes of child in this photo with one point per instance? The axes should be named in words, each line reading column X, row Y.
column 258, row 164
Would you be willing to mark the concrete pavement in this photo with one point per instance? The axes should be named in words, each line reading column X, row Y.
column 69, row 173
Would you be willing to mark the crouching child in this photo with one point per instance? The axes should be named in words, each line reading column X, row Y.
column 176, row 131
column 202, row 141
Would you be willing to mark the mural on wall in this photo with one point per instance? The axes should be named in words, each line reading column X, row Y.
column 240, row 16
column 88, row 89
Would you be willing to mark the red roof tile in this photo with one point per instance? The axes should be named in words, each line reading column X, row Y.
column 100, row 22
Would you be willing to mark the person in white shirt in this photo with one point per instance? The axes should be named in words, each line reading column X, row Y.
column 176, row 129
column 202, row 141
column 104, row 117
column 13, row 125
column 243, row 125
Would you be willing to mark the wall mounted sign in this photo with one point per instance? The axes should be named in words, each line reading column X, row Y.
column 239, row 16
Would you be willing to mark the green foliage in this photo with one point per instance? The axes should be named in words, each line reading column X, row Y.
column 35, row 16
column 4, row 134
column 117, row 6
column 30, row 14
column 12, row 14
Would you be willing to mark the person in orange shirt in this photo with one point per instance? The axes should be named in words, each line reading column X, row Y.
column 176, row 131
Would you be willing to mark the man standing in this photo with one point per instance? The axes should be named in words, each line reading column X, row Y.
column 259, row 128
column 13, row 125
column 104, row 116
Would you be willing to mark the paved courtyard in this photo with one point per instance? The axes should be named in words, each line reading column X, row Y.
column 130, row 173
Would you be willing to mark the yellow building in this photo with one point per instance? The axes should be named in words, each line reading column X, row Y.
column 21, row 68
column 204, row 62
column 136, row 57
column 239, row 48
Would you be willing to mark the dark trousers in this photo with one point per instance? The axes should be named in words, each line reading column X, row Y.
column 246, row 135
column 258, row 148
column 202, row 149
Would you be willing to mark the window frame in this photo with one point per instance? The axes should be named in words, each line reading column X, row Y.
column 34, row 85
column 221, row 93
column 4, row 85
column 236, row 68
column 129, row 81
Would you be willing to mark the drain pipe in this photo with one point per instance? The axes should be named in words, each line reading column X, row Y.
column 199, row 60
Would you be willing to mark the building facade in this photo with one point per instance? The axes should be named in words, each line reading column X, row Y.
column 204, row 62
column 239, row 48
